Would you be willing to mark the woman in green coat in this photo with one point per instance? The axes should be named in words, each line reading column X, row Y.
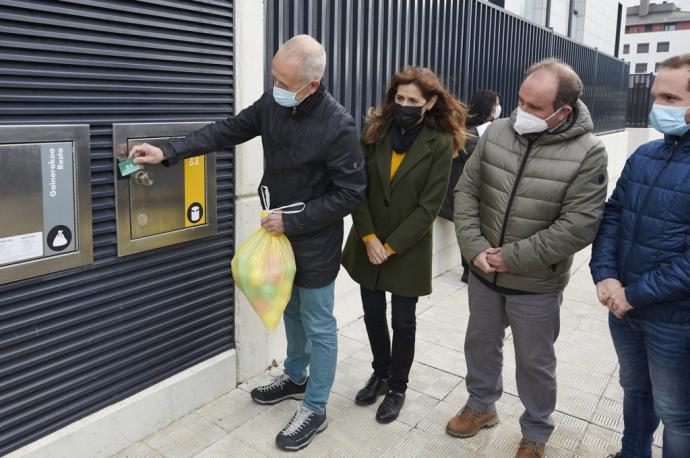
column 409, row 144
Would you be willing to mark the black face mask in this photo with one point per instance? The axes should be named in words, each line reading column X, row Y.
column 406, row 117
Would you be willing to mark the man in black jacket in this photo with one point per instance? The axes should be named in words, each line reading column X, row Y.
column 311, row 155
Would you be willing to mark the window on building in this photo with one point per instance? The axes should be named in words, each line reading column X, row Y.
column 640, row 68
column 626, row 49
column 662, row 46
column 669, row 27
column 648, row 28
column 642, row 48
column 657, row 67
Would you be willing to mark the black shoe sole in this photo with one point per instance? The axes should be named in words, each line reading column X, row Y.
column 380, row 393
column 298, row 397
column 391, row 419
column 297, row 448
column 387, row 420
column 366, row 403
column 369, row 402
column 465, row 436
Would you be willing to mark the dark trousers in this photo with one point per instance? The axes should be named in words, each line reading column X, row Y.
column 395, row 363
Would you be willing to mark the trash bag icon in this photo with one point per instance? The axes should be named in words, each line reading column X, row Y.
column 60, row 240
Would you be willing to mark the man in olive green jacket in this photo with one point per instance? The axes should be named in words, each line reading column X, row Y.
column 531, row 196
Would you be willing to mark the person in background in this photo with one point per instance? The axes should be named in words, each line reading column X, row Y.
column 484, row 108
column 311, row 155
column 641, row 266
column 409, row 144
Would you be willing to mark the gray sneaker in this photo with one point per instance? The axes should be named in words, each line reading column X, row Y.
column 303, row 427
column 280, row 389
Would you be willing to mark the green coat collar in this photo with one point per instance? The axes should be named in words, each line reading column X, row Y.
column 419, row 149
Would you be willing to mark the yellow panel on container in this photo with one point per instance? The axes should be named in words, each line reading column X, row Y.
column 195, row 191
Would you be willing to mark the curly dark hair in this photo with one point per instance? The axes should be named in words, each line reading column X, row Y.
column 481, row 107
column 447, row 115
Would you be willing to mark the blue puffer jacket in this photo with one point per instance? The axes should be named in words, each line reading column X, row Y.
column 644, row 238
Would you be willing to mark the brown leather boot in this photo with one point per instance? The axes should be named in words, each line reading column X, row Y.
column 530, row 449
column 468, row 422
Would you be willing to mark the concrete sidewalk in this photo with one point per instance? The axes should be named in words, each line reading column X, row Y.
column 588, row 418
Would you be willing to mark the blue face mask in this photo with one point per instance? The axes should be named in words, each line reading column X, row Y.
column 286, row 98
column 669, row 120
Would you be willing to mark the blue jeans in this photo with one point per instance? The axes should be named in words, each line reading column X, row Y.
column 654, row 360
column 312, row 341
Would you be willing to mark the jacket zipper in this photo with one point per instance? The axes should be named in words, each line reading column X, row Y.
column 504, row 227
column 644, row 204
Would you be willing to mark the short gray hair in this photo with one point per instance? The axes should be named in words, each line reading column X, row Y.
column 311, row 54
column 314, row 66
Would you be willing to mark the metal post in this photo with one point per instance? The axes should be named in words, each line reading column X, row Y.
column 468, row 26
column 593, row 108
column 547, row 22
column 619, row 24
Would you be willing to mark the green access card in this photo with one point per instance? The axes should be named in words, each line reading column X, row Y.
column 127, row 167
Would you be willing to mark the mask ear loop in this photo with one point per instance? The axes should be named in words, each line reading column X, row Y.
column 300, row 90
column 265, row 197
column 432, row 100
column 291, row 209
column 286, row 209
column 554, row 113
column 554, row 128
column 421, row 115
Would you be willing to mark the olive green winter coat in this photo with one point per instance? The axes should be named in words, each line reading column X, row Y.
column 401, row 212
column 542, row 214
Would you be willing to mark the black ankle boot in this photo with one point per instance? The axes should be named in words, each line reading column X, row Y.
column 375, row 387
column 390, row 407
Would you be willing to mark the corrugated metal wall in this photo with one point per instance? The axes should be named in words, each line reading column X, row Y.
column 471, row 44
column 74, row 342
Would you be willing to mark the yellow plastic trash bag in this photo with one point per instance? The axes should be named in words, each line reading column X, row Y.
column 264, row 269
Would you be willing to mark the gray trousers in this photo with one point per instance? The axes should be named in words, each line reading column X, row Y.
column 535, row 322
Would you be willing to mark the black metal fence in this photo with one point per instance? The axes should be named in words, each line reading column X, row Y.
column 639, row 99
column 470, row 44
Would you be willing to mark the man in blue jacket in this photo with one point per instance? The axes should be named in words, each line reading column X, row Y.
column 641, row 266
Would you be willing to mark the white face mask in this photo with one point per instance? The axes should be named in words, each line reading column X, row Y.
column 527, row 123
column 497, row 112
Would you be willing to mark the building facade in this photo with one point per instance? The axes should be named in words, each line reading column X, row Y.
column 654, row 32
column 591, row 22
